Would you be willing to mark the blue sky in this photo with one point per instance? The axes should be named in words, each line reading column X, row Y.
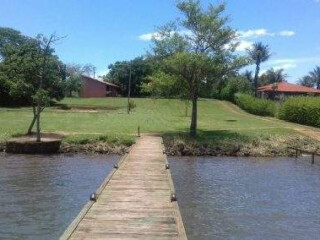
column 104, row 31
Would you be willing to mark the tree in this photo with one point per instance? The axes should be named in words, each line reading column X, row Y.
column 89, row 70
column 9, row 37
column 73, row 80
column 273, row 76
column 196, row 50
column 258, row 53
column 315, row 76
column 119, row 72
column 306, row 81
column 233, row 85
column 32, row 72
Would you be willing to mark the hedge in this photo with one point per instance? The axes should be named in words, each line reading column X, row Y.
column 303, row 110
column 257, row 106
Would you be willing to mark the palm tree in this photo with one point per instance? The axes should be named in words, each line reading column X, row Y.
column 315, row 75
column 306, row 81
column 276, row 76
column 258, row 53
column 248, row 74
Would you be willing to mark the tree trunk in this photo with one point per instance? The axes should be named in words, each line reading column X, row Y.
column 38, row 123
column 256, row 78
column 33, row 120
column 193, row 126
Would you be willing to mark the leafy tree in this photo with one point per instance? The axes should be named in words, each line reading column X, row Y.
column 273, row 76
column 9, row 37
column 73, row 80
column 119, row 72
column 315, row 76
column 32, row 72
column 196, row 51
column 235, row 84
column 258, row 53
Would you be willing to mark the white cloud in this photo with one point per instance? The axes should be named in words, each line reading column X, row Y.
column 244, row 45
column 263, row 71
column 287, row 33
column 156, row 35
column 254, row 33
column 262, row 32
column 295, row 60
column 285, row 66
column 149, row 36
column 289, row 63
column 251, row 33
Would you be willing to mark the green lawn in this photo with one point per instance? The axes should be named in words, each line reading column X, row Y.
column 109, row 117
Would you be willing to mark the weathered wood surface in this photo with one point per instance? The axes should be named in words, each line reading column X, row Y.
column 134, row 202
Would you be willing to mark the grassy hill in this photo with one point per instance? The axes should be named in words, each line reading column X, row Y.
column 106, row 119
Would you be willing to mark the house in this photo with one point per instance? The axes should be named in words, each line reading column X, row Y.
column 94, row 88
column 285, row 89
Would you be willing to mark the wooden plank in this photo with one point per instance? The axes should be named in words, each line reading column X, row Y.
column 134, row 201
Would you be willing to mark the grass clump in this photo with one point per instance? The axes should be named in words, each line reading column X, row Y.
column 262, row 107
column 229, row 143
column 124, row 140
column 303, row 110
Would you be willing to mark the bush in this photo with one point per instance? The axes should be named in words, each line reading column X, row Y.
column 234, row 85
column 257, row 106
column 303, row 110
column 132, row 105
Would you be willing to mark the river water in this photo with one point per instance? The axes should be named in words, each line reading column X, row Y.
column 245, row 198
column 219, row 198
column 41, row 195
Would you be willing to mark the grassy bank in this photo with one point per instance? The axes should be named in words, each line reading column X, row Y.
column 90, row 122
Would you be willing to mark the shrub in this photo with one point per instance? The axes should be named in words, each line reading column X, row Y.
column 303, row 110
column 257, row 106
column 132, row 105
column 234, row 85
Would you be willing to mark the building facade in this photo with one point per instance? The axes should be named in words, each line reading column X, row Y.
column 94, row 88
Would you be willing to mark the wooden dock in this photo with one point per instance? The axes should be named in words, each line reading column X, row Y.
column 135, row 201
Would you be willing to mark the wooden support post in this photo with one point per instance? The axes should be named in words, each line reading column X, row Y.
column 312, row 158
column 138, row 131
column 296, row 153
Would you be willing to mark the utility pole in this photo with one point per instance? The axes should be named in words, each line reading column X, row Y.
column 129, row 89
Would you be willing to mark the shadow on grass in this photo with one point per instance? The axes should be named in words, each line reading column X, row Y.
column 84, row 107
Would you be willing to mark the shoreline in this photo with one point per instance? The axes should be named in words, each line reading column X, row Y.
column 180, row 146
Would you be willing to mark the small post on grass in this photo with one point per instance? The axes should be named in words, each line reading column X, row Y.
column 138, row 131
column 312, row 158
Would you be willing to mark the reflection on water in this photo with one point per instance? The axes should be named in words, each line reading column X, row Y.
column 241, row 198
column 41, row 195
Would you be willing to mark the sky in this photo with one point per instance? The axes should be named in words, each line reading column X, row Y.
column 101, row 32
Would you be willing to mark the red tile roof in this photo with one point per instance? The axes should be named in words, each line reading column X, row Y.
column 287, row 87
